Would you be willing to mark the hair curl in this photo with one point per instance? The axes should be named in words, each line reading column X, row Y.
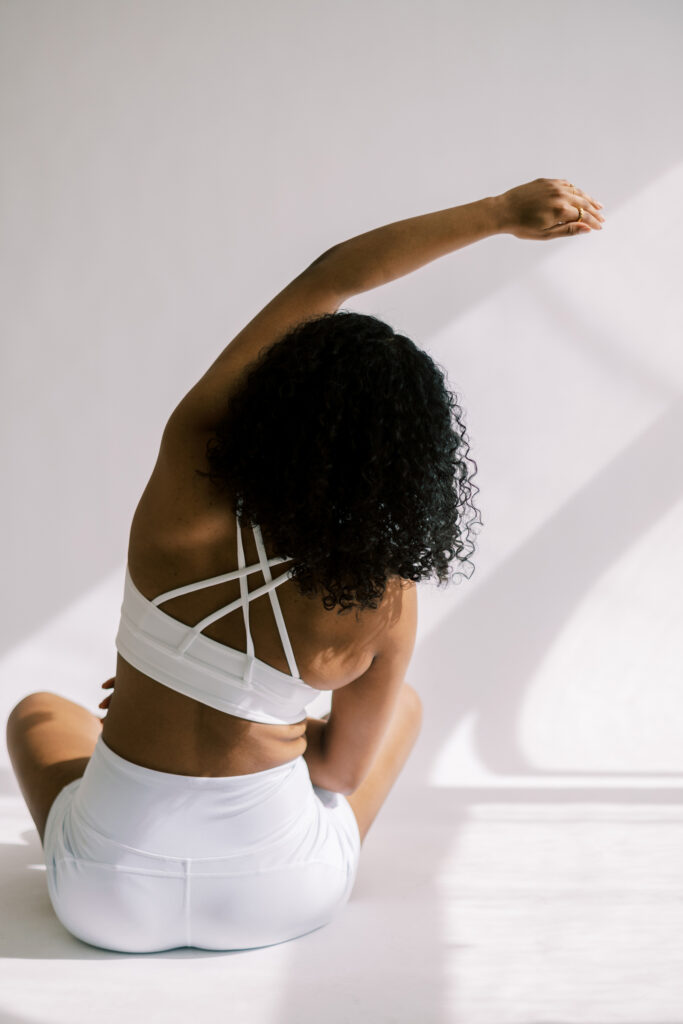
column 345, row 445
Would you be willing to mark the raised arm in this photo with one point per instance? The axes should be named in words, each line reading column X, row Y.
column 542, row 209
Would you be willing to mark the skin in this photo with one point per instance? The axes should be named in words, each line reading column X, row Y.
column 181, row 531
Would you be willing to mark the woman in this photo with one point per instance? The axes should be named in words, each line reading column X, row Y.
column 303, row 486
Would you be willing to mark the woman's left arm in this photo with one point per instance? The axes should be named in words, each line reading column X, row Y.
column 540, row 210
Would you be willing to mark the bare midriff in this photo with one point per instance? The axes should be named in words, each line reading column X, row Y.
column 156, row 727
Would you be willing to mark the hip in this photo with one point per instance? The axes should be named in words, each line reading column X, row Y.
column 235, row 861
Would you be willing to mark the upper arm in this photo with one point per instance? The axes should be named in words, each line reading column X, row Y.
column 311, row 294
column 362, row 709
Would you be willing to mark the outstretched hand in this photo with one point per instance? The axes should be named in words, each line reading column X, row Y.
column 549, row 208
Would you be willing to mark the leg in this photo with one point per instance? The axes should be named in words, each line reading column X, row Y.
column 399, row 740
column 50, row 740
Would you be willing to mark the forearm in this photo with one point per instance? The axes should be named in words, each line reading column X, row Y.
column 377, row 257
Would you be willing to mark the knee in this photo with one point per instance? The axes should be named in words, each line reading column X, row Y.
column 39, row 699
column 413, row 703
column 34, row 702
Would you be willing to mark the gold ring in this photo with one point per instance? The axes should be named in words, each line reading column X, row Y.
column 580, row 217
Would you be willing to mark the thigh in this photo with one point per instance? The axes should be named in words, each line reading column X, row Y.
column 50, row 740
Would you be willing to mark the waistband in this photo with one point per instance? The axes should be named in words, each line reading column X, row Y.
column 187, row 815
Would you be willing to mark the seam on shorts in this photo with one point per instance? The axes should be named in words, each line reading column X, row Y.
column 186, row 873
column 186, row 902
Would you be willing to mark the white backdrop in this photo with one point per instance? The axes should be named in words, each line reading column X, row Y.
column 168, row 167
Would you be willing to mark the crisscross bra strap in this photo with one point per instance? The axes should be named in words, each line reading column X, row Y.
column 277, row 611
column 264, row 565
column 235, row 574
column 244, row 593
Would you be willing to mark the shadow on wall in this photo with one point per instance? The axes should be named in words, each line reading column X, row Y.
column 500, row 634
column 397, row 904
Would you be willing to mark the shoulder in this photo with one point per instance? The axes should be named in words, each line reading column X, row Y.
column 401, row 625
column 392, row 626
column 178, row 507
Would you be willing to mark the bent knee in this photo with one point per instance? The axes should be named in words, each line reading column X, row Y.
column 35, row 700
column 38, row 701
column 412, row 701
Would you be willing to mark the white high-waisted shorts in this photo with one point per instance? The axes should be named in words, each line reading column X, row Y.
column 140, row 861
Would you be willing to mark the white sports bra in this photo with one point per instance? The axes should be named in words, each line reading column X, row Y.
column 184, row 659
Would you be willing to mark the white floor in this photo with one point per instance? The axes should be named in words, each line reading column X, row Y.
column 528, row 866
column 476, row 906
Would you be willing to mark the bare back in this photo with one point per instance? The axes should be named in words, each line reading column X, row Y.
column 182, row 530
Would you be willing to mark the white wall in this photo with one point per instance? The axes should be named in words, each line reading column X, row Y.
column 169, row 166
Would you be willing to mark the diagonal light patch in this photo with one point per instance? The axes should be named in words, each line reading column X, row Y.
column 559, row 374
column 72, row 654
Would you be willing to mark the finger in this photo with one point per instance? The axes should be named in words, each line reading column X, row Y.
column 579, row 212
column 589, row 199
column 584, row 195
column 104, row 703
column 109, row 683
column 588, row 216
column 581, row 199
column 574, row 227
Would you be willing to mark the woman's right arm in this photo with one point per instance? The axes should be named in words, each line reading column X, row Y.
column 341, row 750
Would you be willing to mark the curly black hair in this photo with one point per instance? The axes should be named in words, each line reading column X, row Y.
column 345, row 445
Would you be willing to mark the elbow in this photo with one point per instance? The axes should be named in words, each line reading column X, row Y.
column 333, row 272
column 322, row 258
column 350, row 784
column 344, row 785
column 347, row 790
